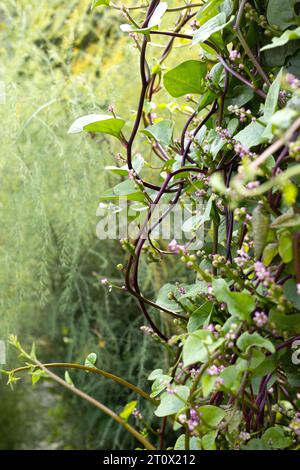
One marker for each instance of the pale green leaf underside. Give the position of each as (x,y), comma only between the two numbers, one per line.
(155,20)
(161,131)
(171,404)
(247,341)
(102,123)
(126,190)
(289,35)
(215,24)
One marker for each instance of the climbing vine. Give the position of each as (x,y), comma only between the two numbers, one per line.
(228,141)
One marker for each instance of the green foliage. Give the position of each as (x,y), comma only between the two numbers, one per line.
(273,438)
(247,341)
(282,15)
(187,77)
(239,304)
(98,123)
(160,383)
(90,360)
(200,317)
(230,328)
(126,190)
(154,21)
(213,25)
(289,35)
(128,410)
(162,132)
(97,3)
(199,346)
(174,403)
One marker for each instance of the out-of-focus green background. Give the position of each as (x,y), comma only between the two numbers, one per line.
(60,60)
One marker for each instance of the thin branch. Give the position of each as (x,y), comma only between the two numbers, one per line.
(93,370)
(184,7)
(138,436)
(245,45)
(233,72)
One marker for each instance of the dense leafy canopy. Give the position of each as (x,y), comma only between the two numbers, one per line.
(235,332)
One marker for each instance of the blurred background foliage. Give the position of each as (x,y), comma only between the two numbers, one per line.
(60,60)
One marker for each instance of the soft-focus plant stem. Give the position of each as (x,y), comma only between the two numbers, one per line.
(93,370)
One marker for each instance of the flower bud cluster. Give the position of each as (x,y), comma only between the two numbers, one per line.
(148,331)
(175,247)
(295,424)
(292,81)
(193,421)
(242,113)
(239,149)
(260,319)
(242,259)
(253,15)
(231,336)
(294,150)
(234,55)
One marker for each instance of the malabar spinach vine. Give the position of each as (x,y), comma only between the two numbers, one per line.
(228,136)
